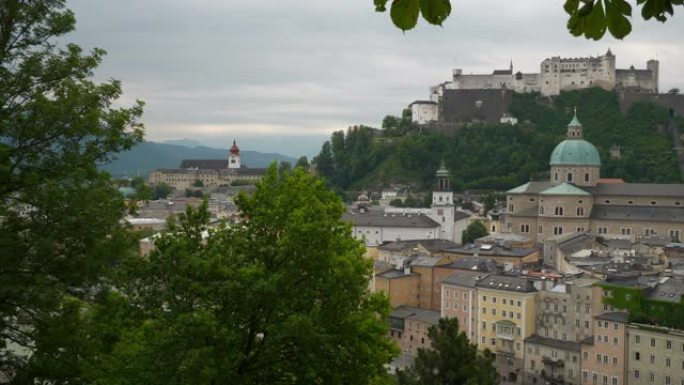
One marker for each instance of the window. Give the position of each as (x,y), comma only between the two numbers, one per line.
(557,230)
(510,208)
(653,203)
(614,380)
(586,177)
(602,230)
(651,377)
(668,344)
(637,356)
(493,311)
(585,355)
(555,176)
(484,310)
(484,326)
(607,201)
(615,361)
(524,228)
(615,340)
(652,359)
(569,177)
(580,211)
(653,342)
(484,298)
(668,362)
(558,211)
(626,231)
(636,374)
(637,339)
(493,299)
(541,210)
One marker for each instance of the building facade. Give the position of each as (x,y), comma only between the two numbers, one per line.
(576,199)
(207,172)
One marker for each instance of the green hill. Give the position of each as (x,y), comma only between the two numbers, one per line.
(148,156)
(498,156)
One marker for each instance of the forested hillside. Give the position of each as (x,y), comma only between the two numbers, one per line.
(498,156)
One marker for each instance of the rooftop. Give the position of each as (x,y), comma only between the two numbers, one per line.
(639,189)
(464,278)
(430,317)
(530,188)
(493,251)
(614,317)
(428,244)
(475,264)
(380,219)
(564,189)
(507,283)
(393,274)
(554,343)
(638,213)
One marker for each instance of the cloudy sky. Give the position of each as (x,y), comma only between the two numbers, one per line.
(281,75)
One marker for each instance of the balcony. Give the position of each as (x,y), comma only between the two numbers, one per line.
(553,362)
(505,330)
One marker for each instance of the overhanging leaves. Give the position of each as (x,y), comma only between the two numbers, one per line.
(435,11)
(404,13)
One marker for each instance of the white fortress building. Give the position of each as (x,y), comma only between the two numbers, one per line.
(555,74)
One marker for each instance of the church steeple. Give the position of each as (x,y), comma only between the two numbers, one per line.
(442,183)
(575,127)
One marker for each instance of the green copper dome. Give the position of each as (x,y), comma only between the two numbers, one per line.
(575,152)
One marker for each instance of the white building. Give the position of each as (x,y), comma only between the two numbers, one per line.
(441,221)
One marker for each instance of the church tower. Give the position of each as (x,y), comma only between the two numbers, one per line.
(234,157)
(443,204)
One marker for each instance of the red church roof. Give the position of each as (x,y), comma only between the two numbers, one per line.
(234,149)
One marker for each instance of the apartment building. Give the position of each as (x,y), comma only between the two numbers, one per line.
(460,300)
(604,356)
(655,355)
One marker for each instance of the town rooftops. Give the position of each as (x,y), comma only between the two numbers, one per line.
(429,244)
(491,251)
(426,261)
(638,213)
(430,317)
(204,164)
(639,189)
(564,189)
(614,317)
(379,219)
(554,343)
(507,283)
(464,278)
(530,188)
(394,274)
(668,290)
(475,264)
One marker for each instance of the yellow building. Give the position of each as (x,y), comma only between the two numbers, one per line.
(506,317)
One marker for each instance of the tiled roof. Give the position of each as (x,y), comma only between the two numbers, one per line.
(554,343)
(430,317)
(464,278)
(614,317)
(375,219)
(507,283)
(564,189)
(675,190)
(638,213)
(530,188)
(205,164)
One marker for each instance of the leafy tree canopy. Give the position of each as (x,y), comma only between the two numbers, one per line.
(473,231)
(280,298)
(588,18)
(60,223)
(451,360)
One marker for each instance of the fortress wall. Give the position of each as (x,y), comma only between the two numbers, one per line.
(469,82)
(673,102)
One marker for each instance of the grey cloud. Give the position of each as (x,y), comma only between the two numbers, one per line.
(208,68)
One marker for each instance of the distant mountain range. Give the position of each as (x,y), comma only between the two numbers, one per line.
(147,156)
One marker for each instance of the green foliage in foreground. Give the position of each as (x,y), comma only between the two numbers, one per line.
(280,298)
(588,18)
(500,156)
(60,217)
(451,360)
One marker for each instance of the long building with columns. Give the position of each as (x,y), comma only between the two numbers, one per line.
(207,172)
(577,199)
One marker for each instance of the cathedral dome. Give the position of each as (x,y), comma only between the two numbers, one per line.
(575,152)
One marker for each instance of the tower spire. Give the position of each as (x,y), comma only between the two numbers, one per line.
(574,127)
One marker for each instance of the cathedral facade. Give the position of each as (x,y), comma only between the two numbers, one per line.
(577,199)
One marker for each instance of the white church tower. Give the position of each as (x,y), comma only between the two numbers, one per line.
(443,204)
(234,158)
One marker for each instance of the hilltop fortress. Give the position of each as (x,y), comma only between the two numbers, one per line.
(556,74)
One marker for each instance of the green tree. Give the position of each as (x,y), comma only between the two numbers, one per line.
(60,224)
(588,18)
(451,360)
(302,162)
(198,183)
(473,231)
(280,298)
(161,191)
